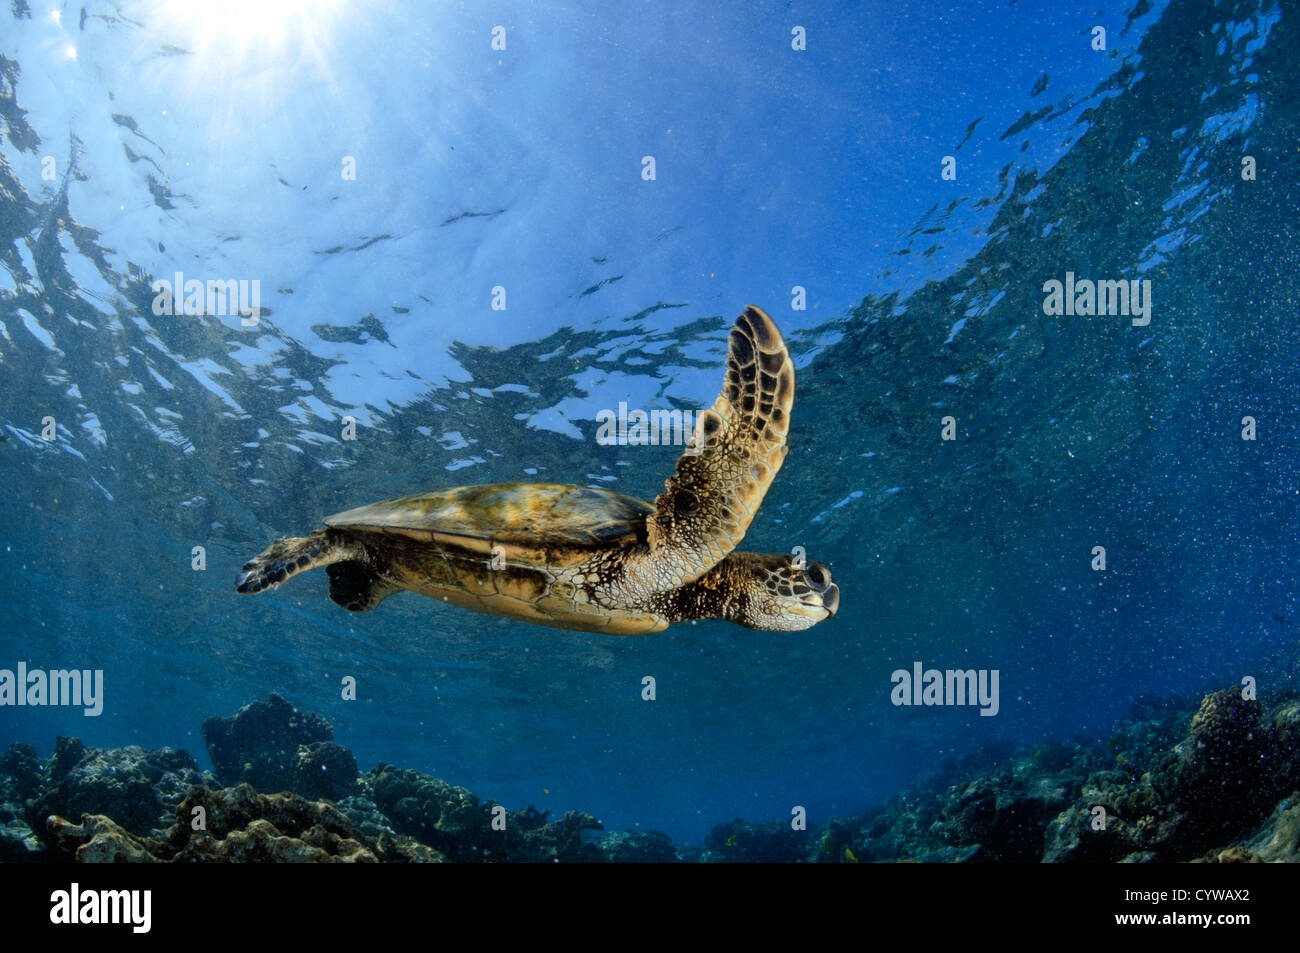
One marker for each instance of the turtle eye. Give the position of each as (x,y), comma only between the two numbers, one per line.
(818,577)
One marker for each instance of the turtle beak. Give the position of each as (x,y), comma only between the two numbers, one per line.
(818,577)
(831,600)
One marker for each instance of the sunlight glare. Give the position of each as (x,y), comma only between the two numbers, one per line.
(242,27)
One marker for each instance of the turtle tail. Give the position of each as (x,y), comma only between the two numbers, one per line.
(286,558)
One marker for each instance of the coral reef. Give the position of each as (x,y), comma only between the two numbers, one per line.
(1221,783)
(1209,790)
(20,779)
(325,770)
(452,820)
(237,825)
(1217,782)
(139,789)
(637,847)
(739,840)
(98,840)
(261,744)
(1276,840)
(995,816)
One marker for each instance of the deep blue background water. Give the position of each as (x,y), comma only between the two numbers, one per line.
(213,144)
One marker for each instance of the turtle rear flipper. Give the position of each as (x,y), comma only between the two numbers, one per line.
(357,587)
(285,558)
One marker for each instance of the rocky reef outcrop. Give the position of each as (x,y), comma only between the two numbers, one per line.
(236,825)
(20,779)
(452,820)
(739,841)
(1218,782)
(274,746)
(1214,782)
(139,789)
(1213,788)
(996,815)
(134,806)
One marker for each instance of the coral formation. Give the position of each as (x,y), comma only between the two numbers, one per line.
(139,789)
(20,778)
(237,825)
(325,770)
(260,743)
(1209,790)
(738,840)
(98,840)
(452,820)
(1218,784)
(637,847)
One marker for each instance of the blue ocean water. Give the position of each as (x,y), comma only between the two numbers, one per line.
(458,245)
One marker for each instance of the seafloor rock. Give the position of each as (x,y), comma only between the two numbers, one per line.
(1007,815)
(690,854)
(20,778)
(637,847)
(262,842)
(401,849)
(1114,818)
(365,814)
(325,770)
(571,839)
(997,816)
(1216,795)
(208,818)
(20,774)
(19,844)
(1224,768)
(1153,725)
(1286,737)
(427,808)
(260,743)
(453,821)
(98,840)
(67,752)
(1276,840)
(138,789)
(241,825)
(238,825)
(741,841)
(844,839)
(1213,787)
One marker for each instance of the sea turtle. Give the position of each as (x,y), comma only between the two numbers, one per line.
(574,557)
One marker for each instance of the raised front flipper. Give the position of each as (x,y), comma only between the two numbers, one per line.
(738,447)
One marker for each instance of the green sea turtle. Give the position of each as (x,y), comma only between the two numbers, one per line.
(574,557)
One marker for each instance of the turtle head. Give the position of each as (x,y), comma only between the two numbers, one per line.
(776,593)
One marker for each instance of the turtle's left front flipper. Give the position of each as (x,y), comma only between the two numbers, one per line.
(738,447)
(285,558)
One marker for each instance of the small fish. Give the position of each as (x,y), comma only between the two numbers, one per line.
(1121,759)
(731,841)
(849,856)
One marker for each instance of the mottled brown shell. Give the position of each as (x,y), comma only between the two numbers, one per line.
(540,524)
